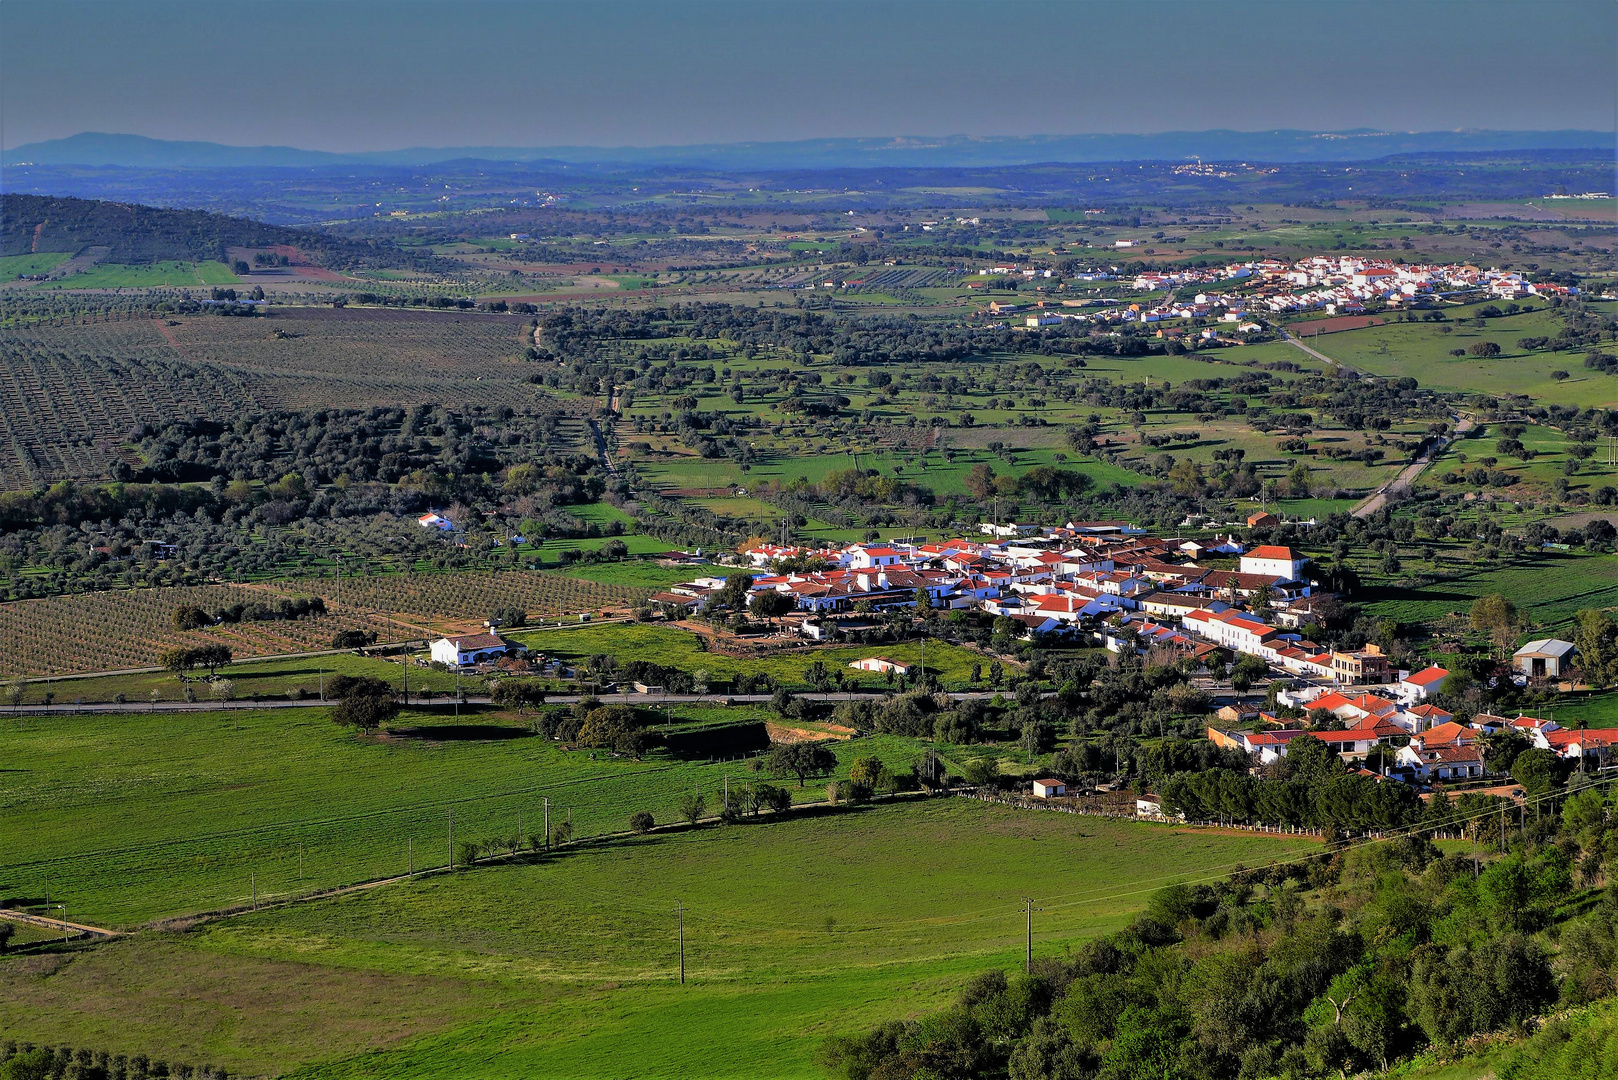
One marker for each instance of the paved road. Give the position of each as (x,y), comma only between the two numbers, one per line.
(1400,484)
(445,703)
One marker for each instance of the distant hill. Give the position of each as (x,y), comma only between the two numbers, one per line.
(144,234)
(953,151)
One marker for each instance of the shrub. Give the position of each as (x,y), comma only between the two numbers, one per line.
(642,821)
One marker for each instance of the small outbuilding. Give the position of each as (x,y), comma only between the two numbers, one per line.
(1543,659)
(1045,789)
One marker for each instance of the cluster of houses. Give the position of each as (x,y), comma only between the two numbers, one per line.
(1428,744)
(1333,284)
(1104,580)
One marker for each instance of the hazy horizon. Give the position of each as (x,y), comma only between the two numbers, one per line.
(369,76)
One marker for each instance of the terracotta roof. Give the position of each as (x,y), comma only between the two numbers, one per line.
(473,642)
(1428,676)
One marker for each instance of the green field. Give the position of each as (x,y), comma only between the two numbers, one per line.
(148,276)
(677,648)
(1548,589)
(138,816)
(13,265)
(1421,351)
(568,967)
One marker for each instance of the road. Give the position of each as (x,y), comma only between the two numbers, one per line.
(55,924)
(1400,484)
(443,702)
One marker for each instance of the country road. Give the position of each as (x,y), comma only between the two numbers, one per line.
(1400,484)
(443,702)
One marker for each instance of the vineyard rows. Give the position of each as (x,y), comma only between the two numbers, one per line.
(470,595)
(69,394)
(112,630)
(124,629)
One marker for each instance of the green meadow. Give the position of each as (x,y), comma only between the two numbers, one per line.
(13,265)
(568,967)
(1422,351)
(171,274)
(140,816)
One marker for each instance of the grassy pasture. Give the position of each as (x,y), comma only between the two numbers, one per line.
(677,648)
(1421,351)
(1549,588)
(171,274)
(566,968)
(134,817)
(39,263)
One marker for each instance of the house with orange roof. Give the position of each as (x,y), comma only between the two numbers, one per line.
(1421,685)
(1274,561)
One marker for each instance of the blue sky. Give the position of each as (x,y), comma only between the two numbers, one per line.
(362,75)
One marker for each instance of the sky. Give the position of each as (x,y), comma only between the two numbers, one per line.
(354,75)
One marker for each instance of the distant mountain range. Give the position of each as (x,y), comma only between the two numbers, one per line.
(954,151)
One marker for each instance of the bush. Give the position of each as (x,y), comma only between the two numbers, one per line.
(642,821)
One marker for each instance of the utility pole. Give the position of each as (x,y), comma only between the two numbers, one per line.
(679,913)
(1028,958)
(547,823)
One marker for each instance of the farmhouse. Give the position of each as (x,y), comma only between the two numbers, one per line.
(434,521)
(470,649)
(881,665)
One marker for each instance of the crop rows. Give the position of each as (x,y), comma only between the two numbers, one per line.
(69,394)
(68,399)
(124,629)
(470,595)
(371,357)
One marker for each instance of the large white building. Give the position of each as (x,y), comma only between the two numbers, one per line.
(1272,561)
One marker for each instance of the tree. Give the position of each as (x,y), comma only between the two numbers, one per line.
(982,772)
(1596,635)
(1496,616)
(1298,481)
(1535,770)
(212,657)
(1485,348)
(178,660)
(190,617)
(692,806)
(772,605)
(979,480)
(366,703)
(8,930)
(15,692)
(224,690)
(871,772)
(641,821)
(801,759)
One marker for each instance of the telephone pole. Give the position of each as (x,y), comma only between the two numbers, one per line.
(1028,957)
(679,913)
